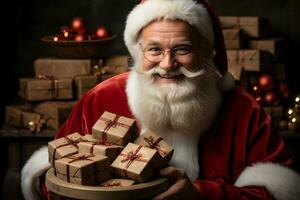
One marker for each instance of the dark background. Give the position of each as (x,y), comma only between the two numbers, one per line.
(24,23)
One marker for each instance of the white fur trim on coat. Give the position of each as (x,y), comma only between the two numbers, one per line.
(35,166)
(185,10)
(282,182)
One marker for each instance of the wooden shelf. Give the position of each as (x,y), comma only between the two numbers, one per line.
(9,132)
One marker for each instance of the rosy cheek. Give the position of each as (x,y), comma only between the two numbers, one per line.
(146,65)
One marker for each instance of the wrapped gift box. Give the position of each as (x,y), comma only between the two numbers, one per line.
(42,89)
(84,169)
(233,38)
(135,162)
(21,116)
(84,83)
(114,128)
(152,140)
(250,60)
(63,67)
(252,26)
(100,147)
(117,182)
(64,146)
(56,112)
(272,45)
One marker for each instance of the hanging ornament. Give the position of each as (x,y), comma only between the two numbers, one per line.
(270,98)
(266,82)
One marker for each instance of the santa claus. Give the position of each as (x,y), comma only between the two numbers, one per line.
(179,87)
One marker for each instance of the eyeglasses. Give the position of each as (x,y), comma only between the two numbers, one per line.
(156,54)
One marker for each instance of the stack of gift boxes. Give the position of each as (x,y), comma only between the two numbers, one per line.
(252,52)
(58,84)
(113,155)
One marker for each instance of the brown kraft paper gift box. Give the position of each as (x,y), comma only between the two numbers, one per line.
(84,83)
(55,112)
(84,169)
(153,141)
(252,26)
(273,45)
(233,38)
(114,128)
(117,182)
(64,146)
(43,89)
(68,68)
(99,147)
(250,60)
(135,162)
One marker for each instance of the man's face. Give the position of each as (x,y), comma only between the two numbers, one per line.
(169,45)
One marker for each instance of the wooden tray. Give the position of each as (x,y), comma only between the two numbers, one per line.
(146,190)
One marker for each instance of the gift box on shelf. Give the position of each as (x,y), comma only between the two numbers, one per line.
(83,169)
(275,46)
(117,182)
(135,162)
(63,68)
(46,88)
(151,140)
(114,128)
(56,112)
(250,60)
(252,26)
(233,38)
(21,116)
(100,147)
(84,83)
(64,146)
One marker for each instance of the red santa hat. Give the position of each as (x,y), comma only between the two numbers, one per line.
(197,13)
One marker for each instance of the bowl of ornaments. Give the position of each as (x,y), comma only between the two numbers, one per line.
(75,41)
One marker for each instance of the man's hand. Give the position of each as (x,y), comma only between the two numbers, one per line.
(182,187)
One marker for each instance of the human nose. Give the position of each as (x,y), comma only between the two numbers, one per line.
(167,61)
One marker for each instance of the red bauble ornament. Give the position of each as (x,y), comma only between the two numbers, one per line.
(78,24)
(80,37)
(266,82)
(101,32)
(270,98)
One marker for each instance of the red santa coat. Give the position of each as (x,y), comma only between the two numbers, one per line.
(239,137)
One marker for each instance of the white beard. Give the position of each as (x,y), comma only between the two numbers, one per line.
(180,113)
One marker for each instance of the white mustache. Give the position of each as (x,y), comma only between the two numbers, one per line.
(179,71)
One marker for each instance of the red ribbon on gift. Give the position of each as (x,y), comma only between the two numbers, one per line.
(77,158)
(54,84)
(69,142)
(111,123)
(100,142)
(132,156)
(154,144)
(112,184)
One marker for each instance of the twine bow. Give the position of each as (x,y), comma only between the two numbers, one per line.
(75,159)
(54,84)
(69,142)
(100,142)
(112,184)
(111,123)
(155,144)
(132,156)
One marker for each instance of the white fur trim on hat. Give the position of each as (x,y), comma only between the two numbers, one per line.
(186,10)
(35,166)
(226,82)
(282,182)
